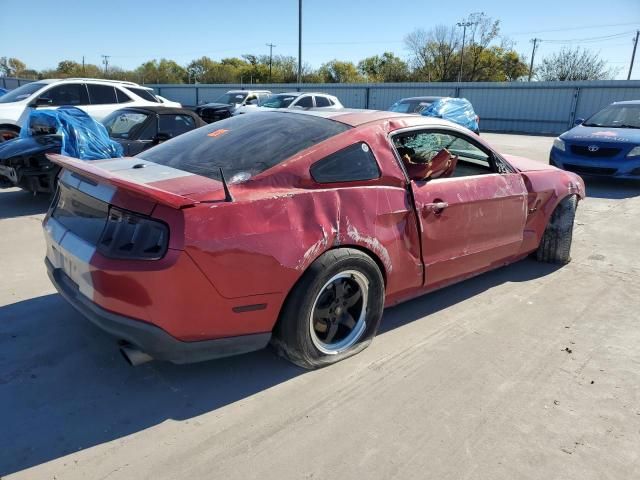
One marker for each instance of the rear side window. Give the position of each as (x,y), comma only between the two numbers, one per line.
(144,94)
(322,102)
(244,145)
(102,94)
(122,97)
(305,102)
(174,125)
(352,164)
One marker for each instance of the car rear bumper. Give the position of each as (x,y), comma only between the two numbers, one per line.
(149,338)
(600,167)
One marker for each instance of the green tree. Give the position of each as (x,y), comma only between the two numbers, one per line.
(337,71)
(574,64)
(384,68)
(163,71)
(11,67)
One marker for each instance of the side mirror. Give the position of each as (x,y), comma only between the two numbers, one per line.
(41,102)
(161,137)
(579,121)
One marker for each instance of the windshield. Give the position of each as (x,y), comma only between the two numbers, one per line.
(621,116)
(22,92)
(410,107)
(231,98)
(278,101)
(124,124)
(244,145)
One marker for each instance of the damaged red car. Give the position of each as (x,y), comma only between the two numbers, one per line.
(295,228)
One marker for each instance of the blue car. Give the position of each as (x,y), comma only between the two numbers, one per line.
(606,144)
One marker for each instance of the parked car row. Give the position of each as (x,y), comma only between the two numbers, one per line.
(24,162)
(98,98)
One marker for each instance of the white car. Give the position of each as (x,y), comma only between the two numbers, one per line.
(226,104)
(96,97)
(300,100)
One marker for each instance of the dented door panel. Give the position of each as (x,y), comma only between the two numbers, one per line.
(481,226)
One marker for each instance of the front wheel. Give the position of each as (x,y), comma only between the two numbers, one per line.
(555,246)
(334,310)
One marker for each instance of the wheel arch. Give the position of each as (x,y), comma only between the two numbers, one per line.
(378,261)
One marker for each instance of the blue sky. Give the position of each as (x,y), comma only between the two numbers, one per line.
(41,33)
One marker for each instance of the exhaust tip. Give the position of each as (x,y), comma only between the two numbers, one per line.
(133,356)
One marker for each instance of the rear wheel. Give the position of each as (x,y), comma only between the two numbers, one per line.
(555,246)
(334,310)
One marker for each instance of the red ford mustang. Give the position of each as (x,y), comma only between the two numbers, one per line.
(292,227)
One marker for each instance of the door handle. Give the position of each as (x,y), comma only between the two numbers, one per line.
(435,207)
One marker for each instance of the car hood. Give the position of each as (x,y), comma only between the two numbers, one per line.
(217,105)
(526,164)
(602,134)
(30,146)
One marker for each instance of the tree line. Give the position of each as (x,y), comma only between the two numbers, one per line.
(434,55)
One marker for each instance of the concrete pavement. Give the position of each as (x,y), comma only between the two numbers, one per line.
(527,372)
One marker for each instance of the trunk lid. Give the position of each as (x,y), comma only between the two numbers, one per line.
(159,183)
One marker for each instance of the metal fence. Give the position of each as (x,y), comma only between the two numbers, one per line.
(10,83)
(527,107)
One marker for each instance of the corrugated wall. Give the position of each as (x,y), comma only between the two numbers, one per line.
(10,83)
(536,107)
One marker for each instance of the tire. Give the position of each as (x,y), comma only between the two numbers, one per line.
(325,319)
(555,246)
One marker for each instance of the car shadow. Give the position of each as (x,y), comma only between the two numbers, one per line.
(616,189)
(20,203)
(64,386)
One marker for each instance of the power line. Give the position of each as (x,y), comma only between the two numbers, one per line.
(589,39)
(573,28)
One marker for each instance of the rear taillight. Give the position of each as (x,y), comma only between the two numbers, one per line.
(133,237)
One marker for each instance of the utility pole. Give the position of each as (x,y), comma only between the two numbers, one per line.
(633,55)
(533,54)
(299,42)
(105,60)
(464,25)
(270,45)
(83,74)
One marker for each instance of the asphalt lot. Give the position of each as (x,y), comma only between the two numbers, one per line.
(527,372)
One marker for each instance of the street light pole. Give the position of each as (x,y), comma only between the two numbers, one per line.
(464,26)
(299,42)
(270,45)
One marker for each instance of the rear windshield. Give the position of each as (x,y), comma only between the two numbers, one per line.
(244,145)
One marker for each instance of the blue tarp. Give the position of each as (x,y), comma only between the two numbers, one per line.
(82,136)
(457,110)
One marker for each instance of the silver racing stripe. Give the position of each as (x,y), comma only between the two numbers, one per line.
(144,171)
(67,251)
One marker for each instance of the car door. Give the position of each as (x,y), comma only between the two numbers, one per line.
(73,94)
(102,100)
(472,220)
